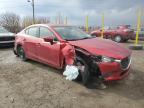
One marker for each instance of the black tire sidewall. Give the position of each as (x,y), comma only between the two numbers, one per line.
(22,57)
(86,74)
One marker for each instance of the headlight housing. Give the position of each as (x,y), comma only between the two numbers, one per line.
(104,59)
(107,59)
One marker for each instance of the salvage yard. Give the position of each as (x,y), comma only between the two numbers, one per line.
(34,85)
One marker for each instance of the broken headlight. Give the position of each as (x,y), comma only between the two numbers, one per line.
(107,59)
(103,59)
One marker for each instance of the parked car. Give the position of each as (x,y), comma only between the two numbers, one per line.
(121,34)
(100,57)
(141,34)
(6,38)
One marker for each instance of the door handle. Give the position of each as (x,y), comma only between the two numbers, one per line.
(38,44)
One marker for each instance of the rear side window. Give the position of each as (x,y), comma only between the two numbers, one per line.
(33,31)
(45,32)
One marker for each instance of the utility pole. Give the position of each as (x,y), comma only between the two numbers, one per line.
(33,8)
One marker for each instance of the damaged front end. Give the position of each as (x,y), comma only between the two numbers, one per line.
(90,61)
(85,62)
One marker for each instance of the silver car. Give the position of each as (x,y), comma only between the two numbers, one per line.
(6,38)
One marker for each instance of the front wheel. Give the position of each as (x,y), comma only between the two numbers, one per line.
(118,38)
(21,53)
(83,68)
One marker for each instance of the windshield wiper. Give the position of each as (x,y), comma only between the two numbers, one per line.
(86,38)
(79,39)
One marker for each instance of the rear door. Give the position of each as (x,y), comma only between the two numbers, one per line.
(47,52)
(31,42)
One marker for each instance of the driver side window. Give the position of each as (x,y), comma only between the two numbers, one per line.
(45,32)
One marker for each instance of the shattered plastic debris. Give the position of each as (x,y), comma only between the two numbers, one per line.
(71,72)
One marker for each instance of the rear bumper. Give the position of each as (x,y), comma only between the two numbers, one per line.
(113,71)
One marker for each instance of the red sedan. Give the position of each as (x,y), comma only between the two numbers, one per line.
(60,45)
(121,34)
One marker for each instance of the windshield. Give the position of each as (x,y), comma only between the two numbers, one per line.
(72,33)
(2,30)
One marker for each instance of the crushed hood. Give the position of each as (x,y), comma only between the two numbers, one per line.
(105,47)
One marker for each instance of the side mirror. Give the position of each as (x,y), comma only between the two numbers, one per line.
(49,39)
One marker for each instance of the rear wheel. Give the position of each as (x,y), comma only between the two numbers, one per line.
(117,38)
(83,68)
(21,53)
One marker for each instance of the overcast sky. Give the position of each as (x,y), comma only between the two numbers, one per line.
(116,12)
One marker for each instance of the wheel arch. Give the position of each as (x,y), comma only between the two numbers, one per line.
(86,56)
(118,35)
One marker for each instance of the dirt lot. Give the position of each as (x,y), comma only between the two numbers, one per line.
(34,85)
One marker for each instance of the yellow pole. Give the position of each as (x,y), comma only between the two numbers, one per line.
(138,26)
(87,28)
(102,32)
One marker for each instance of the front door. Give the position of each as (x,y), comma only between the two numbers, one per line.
(47,52)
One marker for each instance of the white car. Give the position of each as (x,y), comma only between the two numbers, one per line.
(6,38)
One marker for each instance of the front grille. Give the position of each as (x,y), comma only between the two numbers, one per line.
(125,63)
(7,38)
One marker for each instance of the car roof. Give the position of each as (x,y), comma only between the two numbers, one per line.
(52,25)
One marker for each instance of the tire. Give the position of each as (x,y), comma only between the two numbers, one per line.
(118,38)
(21,53)
(84,74)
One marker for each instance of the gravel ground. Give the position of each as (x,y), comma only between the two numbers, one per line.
(34,85)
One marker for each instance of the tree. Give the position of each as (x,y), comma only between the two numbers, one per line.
(27,21)
(10,21)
